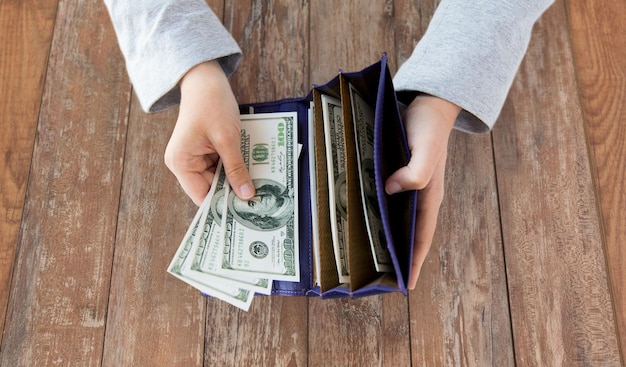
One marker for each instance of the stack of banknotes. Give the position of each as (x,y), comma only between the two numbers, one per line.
(234,248)
(337,162)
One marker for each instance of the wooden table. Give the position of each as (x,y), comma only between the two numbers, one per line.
(528,263)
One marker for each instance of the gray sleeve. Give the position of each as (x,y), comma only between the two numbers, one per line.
(469,55)
(162,39)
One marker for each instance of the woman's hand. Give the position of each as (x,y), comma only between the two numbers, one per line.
(429,121)
(208,128)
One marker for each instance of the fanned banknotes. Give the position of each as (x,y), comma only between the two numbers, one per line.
(230,293)
(236,248)
(260,236)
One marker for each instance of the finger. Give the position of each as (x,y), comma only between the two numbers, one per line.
(429,202)
(424,233)
(406,178)
(415,175)
(196,185)
(236,170)
(418,172)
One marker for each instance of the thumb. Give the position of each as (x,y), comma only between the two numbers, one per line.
(414,176)
(237,172)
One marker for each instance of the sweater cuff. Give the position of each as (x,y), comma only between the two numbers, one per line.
(469,56)
(162,40)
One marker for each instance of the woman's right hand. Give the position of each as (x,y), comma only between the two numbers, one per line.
(207,129)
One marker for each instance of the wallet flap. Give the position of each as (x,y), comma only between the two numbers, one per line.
(392,153)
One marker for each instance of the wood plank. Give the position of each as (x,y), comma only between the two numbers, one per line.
(459,310)
(349,36)
(274,331)
(560,302)
(412,19)
(600,57)
(58,304)
(274,37)
(372,330)
(154,319)
(27,32)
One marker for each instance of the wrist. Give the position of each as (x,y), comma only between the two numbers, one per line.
(445,110)
(203,75)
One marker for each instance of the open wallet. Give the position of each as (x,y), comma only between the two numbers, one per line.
(376,229)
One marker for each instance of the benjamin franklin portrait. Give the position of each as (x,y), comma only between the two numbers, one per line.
(271,207)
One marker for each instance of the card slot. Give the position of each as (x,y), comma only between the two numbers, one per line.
(361,261)
(328,277)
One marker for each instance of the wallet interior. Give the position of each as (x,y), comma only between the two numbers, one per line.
(398,211)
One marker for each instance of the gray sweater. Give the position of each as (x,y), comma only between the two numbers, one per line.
(469,55)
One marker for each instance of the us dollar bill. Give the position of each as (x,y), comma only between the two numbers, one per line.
(363,119)
(206,247)
(337,190)
(317,265)
(260,236)
(239,297)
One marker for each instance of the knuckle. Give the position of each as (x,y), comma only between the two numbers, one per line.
(173,160)
(226,137)
(168,158)
(416,178)
(416,181)
(419,183)
(236,171)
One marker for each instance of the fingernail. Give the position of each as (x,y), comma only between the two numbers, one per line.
(393,187)
(246,190)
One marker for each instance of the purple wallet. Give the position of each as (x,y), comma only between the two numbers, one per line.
(374,85)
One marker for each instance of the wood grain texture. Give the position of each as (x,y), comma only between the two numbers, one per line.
(600,55)
(396,347)
(25,38)
(274,38)
(349,36)
(411,21)
(459,310)
(56,314)
(154,319)
(274,331)
(560,302)
(369,331)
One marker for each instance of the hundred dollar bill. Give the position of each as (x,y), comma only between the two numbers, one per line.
(261,235)
(238,297)
(317,264)
(337,190)
(206,247)
(363,117)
